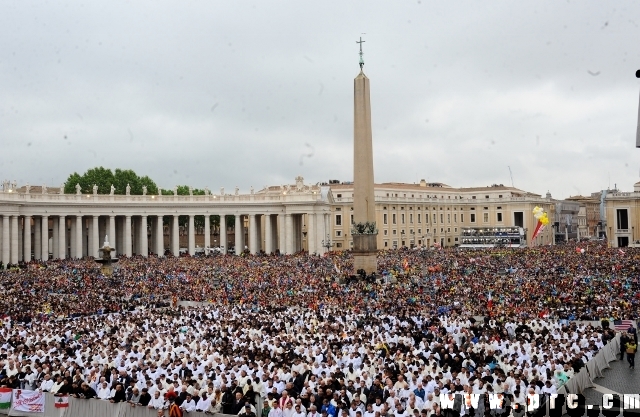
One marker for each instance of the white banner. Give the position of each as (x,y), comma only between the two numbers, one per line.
(28,401)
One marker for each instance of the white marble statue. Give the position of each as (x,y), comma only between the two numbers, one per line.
(190,190)
(44,189)
(144,190)
(237,190)
(252,189)
(112,190)
(27,188)
(78,189)
(128,189)
(175,190)
(61,189)
(221,190)
(95,189)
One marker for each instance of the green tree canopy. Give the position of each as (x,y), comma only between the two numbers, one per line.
(104,178)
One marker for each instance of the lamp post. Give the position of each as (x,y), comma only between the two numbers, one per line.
(327,243)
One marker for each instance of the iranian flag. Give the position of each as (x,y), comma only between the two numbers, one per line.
(5,398)
(62,402)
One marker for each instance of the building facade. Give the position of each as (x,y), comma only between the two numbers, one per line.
(427,214)
(623,217)
(41,223)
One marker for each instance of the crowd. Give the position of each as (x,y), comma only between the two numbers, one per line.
(555,281)
(292,336)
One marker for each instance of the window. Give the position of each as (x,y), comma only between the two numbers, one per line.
(518,219)
(393,218)
(499,208)
(441,218)
(473,217)
(352,222)
(486,196)
(419,219)
(448,230)
(486,208)
(386,232)
(395,232)
(461,217)
(386,243)
(338,233)
(448,218)
(485,217)
(339,195)
(338,209)
(384,208)
(402,218)
(384,218)
(419,231)
(395,243)
(339,245)
(500,196)
(455,218)
(473,198)
(622,219)
(338,219)
(499,217)
(411,218)
(434,218)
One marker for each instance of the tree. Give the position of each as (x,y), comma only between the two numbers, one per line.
(104,178)
(124,177)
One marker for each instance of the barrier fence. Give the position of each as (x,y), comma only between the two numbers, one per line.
(97,408)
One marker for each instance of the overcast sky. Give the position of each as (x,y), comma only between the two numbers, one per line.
(250,93)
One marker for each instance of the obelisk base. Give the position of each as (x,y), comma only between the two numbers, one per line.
(365,251)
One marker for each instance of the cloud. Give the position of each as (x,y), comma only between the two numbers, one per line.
(225,93)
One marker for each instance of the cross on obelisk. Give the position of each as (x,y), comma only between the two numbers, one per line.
(638,128)
(361,59)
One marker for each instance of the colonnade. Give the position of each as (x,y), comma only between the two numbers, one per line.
(60,236)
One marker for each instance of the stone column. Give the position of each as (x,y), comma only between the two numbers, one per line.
(192,235)
(27,239)
(14,239)
(144,236)
(55,240)
(19,231)
(253,235)
(78,237)
(175,236)
(6,240)
(112,232)
(288,232)
(282,236)
(62,237)
(159,236)
(239,234)
(223,233)
(95,237)
(268,237)
(72,237)
(89,237)
(207,230)
(311,233)
(128,249)
(37,241)
(44,236)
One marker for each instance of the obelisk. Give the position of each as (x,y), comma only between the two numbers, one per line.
(364,230)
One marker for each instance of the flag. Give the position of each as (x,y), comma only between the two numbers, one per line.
(62,402)
(5,398)
(539,228)
(489,302)
(622,325)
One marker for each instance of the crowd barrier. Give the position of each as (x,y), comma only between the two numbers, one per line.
(592,370)
(97,408)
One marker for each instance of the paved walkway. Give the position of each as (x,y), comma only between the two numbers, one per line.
(619,379)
